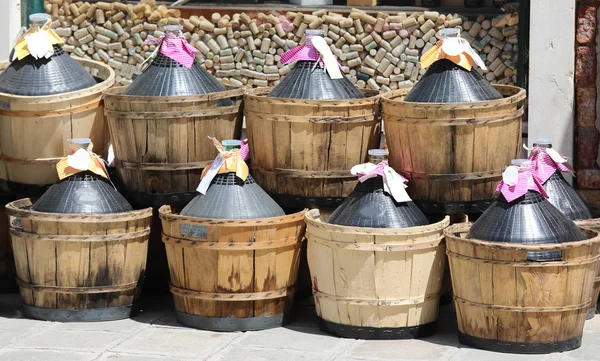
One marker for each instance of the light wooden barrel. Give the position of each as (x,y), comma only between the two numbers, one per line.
(33,130)
(302,150)
(241,277)
(376,283)
(593,224)
(73,267)
(161,143)
(453,153)
(7,263)
(506,303)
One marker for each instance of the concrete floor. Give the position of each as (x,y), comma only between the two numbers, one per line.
(155,335)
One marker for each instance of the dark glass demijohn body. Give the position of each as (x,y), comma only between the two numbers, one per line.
(229,197)
(309,81)
(529,219)
(562,195)
(167,77)
(46,76)
(82,193)
(447,82)
(370,206)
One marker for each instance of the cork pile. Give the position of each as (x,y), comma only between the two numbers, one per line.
(379,51)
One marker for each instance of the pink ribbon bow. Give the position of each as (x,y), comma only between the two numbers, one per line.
(305,52)
(176,48)
(526,181)
(543,165)
(245,150)
(378,171)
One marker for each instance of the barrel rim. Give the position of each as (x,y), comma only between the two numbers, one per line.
(168,215)
(259,95)
(593,223)
(117,92)
(18,209)
(312,219)
(106,83)
(458,231)
(517,94)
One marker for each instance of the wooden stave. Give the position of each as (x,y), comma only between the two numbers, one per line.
(113,298)
(594,224)
(334,182)
(377,328)
(453,192)
(85,102)
(530,342)
(147,180)
(271,305)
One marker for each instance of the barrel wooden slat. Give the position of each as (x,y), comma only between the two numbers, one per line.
(33,129)
(309,135)
(206,281)
(376,279)
(506,303)
(595,225)
(149,132)
(107,272)
(452,138)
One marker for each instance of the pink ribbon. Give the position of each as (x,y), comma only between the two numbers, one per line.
(543,165)
(527,181)
(245,150)
(378,171)
(176,48)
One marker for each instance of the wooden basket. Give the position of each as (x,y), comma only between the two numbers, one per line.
(376,283)
(161,143)
(7,263)
(73,267)
(593,224)
(453,153)
(302,150)
(33,130)
(241,277)
(506,303)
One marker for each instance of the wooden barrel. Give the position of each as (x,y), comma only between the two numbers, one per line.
(453,153)
(73,267)
(7,263)
(302,150)
(33,130)
(593,224)
(506,303)
(376,283)
(240,277)
(161,143)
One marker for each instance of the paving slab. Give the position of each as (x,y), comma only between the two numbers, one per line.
(113,356)
(237,353)
(91,341)
(46,355)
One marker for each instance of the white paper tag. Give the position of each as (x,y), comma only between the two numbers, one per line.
(210,174)
(331,64)
(110,159)
(79,160)
(394,185)
(38,45)
(555,156)
(511,175)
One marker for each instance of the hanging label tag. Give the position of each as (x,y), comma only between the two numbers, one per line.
(331,64)
(79,160)
(210,174)
(38,44)
(394,185)
(510,176)
(555,156)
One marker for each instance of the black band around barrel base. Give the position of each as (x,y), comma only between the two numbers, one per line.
(231,324)
(299,202)
(469,207)
(519,347)
(159,199)
(377,333)
(87,315)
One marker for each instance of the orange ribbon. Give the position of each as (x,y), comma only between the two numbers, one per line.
(233,161)
(77,157)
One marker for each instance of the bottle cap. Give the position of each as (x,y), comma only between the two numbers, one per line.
(314,32)
(230,144)
(450,31)
(521,162)
(380,152)
(39,17)
(81,142)
(173,27)
(542,141)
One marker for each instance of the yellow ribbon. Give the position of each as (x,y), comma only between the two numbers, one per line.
(21,49)
(233,162)
(436,53)
(94,164)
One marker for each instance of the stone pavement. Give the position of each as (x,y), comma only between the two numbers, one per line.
(154,335)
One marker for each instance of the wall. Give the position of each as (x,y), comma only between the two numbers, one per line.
(587,135)
(10,23)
